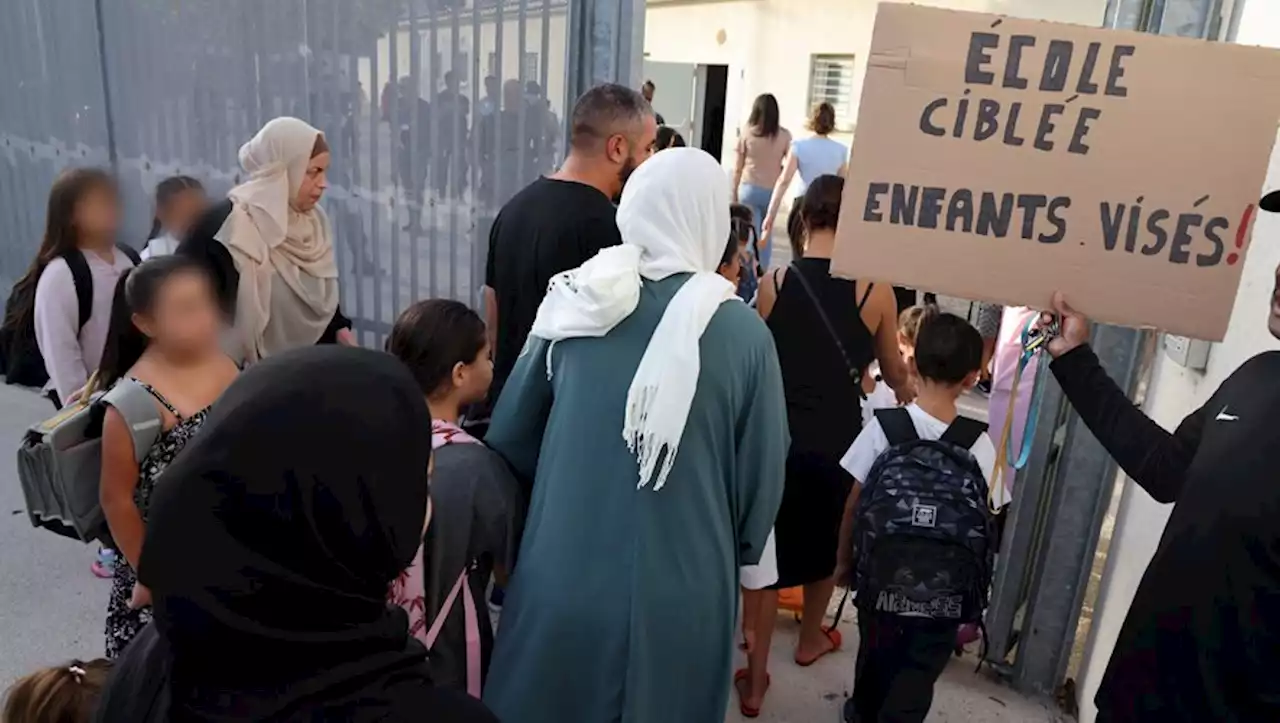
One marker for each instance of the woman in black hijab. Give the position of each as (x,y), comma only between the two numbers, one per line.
(271,544)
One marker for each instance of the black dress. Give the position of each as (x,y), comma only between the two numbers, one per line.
(201,244)
(823,411)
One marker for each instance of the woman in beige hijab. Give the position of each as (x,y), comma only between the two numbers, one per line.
(270,249)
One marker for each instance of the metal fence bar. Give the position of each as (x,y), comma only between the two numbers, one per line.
(1082,490)
(154,89)
(458,156)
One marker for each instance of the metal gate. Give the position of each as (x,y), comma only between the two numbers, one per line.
(1036,631)
(436,112)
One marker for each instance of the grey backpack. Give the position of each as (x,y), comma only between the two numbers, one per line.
(60,459)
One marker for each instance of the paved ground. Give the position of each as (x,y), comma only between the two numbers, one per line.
(52,609)
(815,694)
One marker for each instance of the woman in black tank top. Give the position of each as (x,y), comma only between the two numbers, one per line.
(827,332)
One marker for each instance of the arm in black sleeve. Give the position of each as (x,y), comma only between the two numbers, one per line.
(1154,458)
(200,244)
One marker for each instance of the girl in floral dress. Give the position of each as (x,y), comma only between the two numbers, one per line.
(165,334)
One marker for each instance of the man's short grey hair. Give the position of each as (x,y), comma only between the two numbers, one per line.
(606,110)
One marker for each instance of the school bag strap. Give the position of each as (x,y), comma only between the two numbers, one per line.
(130,253)
(138,409)
(82,279)
(897,425)
(854,372)
(471,621)
(964,432)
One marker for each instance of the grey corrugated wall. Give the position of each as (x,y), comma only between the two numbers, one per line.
(157,87)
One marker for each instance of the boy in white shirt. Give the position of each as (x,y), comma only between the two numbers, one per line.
(900,657)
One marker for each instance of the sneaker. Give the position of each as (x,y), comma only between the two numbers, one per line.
(105,566)
(984,387)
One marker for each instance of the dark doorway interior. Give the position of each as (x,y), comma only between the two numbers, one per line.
(713,105)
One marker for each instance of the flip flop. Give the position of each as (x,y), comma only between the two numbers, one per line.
(836,641)
(743,675)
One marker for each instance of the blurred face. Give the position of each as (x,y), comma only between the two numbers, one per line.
(182,210)
(185,316)
(97,215)
(313,185)
(472,380)
(647,92)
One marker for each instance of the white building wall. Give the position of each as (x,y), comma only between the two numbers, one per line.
(1176,392)
(767,44)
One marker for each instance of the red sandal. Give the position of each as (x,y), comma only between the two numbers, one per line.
(740,676)
(836,641)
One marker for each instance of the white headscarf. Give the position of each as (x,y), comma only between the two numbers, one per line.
(674,219)
(288,290)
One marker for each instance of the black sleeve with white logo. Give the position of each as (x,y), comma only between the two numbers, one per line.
(1153,457)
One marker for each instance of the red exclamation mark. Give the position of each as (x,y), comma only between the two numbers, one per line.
(1241,234)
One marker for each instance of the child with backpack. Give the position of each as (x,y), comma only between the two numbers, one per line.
(180,202)
(478,507)
(917,539)
(164,345)
(743,231)
(56,319)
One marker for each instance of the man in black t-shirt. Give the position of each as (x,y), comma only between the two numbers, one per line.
(559,222)
(1201,641)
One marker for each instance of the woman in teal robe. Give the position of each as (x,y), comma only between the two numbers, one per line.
(647,409)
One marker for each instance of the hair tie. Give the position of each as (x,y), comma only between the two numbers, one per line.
(76,672)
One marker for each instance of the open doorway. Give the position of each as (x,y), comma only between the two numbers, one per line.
(714,84)
(693,99)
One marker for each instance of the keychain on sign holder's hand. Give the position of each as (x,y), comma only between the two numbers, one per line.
(1035,337)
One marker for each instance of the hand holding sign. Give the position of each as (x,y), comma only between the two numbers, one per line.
(1073,328)
(1000,159)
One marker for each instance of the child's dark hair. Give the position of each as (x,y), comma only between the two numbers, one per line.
(60,235)
(432,337)
(136,293)
(669,137)
(166,190)
(948,348)
(742,226)
(65,694)
(731,250)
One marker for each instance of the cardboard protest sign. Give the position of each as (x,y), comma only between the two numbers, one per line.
(1001,159)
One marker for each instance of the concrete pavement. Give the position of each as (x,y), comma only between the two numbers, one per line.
(52,608)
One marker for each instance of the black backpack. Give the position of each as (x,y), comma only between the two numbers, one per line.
(924,533)
(20,359)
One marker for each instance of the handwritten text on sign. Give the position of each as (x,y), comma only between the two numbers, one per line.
(1181,236)
(999,159)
